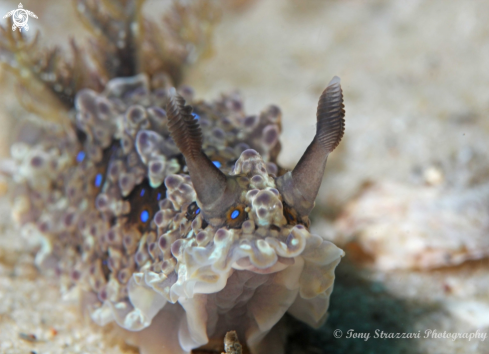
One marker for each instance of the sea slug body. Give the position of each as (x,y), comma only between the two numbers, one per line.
(172,217)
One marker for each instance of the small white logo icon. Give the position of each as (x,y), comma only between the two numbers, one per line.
(20,18)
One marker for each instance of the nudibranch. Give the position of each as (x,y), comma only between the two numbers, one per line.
(175,221)
(168,215)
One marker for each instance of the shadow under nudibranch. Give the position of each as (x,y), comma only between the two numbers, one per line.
(361,307)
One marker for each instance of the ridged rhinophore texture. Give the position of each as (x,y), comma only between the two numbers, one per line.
(184,127)
(116,213)
(300,186)
(331,116)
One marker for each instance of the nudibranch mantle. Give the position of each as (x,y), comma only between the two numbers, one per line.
(174,220)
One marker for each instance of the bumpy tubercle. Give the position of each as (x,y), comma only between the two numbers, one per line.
(172,281)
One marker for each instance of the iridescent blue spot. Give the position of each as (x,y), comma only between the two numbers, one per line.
(234,214)
(217,164)
(98,180)
(144,216)
(80,157)
(159,196)
(142,192)
(197,211)
(196,116)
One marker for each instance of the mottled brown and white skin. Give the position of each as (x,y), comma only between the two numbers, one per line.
(171,218)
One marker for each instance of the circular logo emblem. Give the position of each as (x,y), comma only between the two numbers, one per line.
(20,18)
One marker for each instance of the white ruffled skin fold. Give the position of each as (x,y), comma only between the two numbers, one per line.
(213,297)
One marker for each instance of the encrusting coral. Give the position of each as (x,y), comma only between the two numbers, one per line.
(173,220)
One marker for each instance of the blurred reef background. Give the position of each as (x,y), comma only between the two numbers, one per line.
(406,194)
